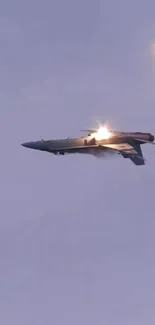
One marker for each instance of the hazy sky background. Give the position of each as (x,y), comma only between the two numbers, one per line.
(77,234)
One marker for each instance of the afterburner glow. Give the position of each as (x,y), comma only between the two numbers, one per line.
(103,133)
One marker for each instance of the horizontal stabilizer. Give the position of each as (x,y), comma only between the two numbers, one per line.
(128,151)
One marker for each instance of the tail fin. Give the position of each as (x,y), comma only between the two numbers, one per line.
(138,159)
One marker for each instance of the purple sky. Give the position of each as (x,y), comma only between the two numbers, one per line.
(77,234)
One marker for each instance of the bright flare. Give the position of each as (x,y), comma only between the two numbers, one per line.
(103,133)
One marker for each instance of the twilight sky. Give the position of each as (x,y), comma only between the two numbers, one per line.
(77,234)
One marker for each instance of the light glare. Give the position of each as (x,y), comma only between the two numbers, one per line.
(103,133)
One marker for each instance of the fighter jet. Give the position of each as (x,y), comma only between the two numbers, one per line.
(98,142)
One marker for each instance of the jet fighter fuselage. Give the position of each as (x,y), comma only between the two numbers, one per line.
(125,143)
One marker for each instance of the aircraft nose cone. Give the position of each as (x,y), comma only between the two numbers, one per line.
(28,145)
(38,145)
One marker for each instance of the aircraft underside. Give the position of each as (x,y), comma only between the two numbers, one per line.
(97,152)
(105,152)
